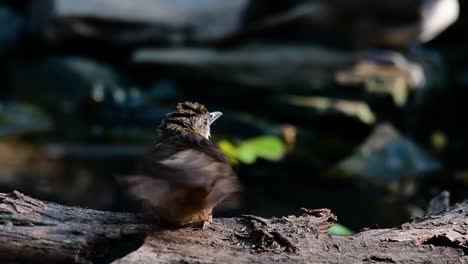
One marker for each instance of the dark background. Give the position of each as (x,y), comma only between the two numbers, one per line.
(84,89)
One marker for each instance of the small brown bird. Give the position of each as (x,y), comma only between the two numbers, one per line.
(184,175)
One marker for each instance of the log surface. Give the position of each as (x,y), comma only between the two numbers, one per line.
(42,232)
(32,231)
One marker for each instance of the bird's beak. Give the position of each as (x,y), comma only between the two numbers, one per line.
(214,116)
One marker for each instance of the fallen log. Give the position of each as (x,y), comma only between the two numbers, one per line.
(32,231)
(36,231)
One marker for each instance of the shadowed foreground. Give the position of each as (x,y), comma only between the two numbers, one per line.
(36,231)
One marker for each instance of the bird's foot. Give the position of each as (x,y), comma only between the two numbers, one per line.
(207,222)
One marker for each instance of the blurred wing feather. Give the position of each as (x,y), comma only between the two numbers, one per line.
(192,175)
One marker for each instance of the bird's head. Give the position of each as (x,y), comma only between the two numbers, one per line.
(189,117)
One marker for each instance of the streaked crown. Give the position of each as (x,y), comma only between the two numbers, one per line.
(189,117)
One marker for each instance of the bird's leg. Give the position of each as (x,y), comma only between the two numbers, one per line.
(207,222)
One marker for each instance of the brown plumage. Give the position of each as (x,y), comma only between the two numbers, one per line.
(184,175)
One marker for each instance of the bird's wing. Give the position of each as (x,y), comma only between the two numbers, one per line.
(190,161)
(183,173)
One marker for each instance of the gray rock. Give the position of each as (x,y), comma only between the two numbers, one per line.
(438,204)
(271,67)
(18,118)
(367,23)
(173,21)
(64,81)
(387,156)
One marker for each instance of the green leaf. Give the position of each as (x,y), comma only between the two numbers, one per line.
(266,147)
(339,230)
(246,154)
(229,150)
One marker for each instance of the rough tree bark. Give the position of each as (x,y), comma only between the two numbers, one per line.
(32,231)
(36,231)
